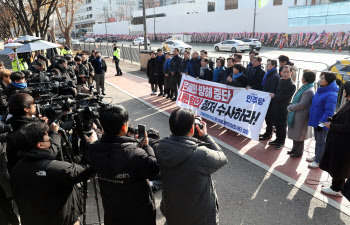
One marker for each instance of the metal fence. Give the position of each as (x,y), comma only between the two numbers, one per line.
(106,50)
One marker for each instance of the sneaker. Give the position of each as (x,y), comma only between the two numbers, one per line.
(313,165)
(310,159)
(329,191)
(326,183)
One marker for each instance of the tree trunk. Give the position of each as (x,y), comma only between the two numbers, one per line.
(68,36)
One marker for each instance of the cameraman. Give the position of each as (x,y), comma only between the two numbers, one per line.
(40,59)
(81,72)
(186,165)
(45,189)
(18,83)
(38,67)
(23,111)
(124,166)
(90,68)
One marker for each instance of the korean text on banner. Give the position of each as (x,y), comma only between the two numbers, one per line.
(237,109)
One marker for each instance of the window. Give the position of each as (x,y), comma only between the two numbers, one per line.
(231,4)
(88,1)
(277,2)
(211,6)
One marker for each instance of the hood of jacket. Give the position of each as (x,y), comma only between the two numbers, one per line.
(36,153)
(174,150)
(18,121)
(333,87)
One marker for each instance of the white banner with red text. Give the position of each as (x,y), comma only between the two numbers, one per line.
(237,109)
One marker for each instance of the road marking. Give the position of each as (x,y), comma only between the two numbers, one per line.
(344,209)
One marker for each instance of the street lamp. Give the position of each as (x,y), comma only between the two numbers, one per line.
(14,47)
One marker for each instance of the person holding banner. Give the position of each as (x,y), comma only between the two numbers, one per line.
(229,70)
(220,70)
(270,82)
(238,78)
(299,112)
(255,74)
(284,93)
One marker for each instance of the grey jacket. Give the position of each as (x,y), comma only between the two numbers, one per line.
(186,165)
(300,130)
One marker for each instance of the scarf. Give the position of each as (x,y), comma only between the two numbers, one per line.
(234,77)
(216,74)
(201,74)
(267,74)
(166,65)
(19,85)
(296,99)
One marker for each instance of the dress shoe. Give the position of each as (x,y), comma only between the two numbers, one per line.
(263,138)
(295,155)
(291,152)
(121,74)
(103,93)
(174,99)
(274,142)
(164,95)
(168,97)
(279,146)
(160,94)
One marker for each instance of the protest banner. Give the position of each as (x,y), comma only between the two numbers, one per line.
(237,109)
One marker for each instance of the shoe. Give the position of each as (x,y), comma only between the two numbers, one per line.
(160,94)
(103,93)
(279,146)
(274,142)
(263,138)
(116,75)
(326,183)
(291,152)
(313,165)
(121,74)
(164,95)
(261,135)
(328,190)
(174,99)
(310,159)
(168,97)
(295,155)
(152,93)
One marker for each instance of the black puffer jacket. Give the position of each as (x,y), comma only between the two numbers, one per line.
(123,170)
(45,189)
(152,71)
(255,77)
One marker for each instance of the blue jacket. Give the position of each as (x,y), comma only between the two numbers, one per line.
(323,104)
(191,68)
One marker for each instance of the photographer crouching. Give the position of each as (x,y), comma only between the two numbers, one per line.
(45,189)
(186,164)
(123,166)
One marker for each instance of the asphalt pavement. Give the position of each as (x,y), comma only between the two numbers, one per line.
(247,194)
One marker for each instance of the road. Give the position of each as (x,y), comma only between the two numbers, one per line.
(247,193)
(303,58)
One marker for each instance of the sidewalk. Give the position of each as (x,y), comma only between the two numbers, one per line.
(293,171)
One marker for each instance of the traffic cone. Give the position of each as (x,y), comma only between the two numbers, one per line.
(339,48)
(312,47)
(334,48)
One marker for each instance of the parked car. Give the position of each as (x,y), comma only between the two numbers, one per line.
(253,43)
(232,45)
(82,39)
(76,42)
(112,39)
(62,41)
(140,41)
(171,44)
(90,40)
(98,39)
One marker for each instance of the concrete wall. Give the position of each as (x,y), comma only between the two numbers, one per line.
(268,19)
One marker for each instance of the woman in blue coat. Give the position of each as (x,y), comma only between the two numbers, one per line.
(322,107)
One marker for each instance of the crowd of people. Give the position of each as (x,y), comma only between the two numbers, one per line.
(293,113)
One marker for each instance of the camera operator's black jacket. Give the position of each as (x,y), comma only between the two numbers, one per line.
(3,97)
(14,145)
(123,170)
(11,90)
(45,189)
(81,70)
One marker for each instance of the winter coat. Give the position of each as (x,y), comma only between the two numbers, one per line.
(45,189)
(123,171)
(294,71)
(167,79)
(3,97)
(186,165)
(223,77)
(300,130)
(241,81)
(271,83)
(11,90)
(160,69)
(175,65)
(99,70)
(211,64)
(220,76)
(283,96)
(183,65)
(323,104)
(14,146)
(193,67)
(208,75)
(336,156)
(81,69)
(255,77)
(151,71)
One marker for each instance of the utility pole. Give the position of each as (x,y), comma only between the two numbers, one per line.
(144,25)
(254,18)
(154,19)
(106,18)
